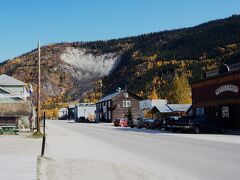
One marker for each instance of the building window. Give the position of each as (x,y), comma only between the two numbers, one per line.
(127,103)
(109,103)
(200,111)
(109,114)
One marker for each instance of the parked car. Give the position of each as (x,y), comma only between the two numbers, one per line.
(64,117)
(133,123)
(195,124)
(170,121)
(157,124)
(120,122)
(144,123)
(200,124)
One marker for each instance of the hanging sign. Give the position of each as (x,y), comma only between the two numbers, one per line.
(224,88)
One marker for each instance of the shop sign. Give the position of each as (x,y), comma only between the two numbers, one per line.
(225,112)
(225,88)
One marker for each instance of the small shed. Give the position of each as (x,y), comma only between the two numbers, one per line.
(10,113)
(170,110)
(161,111)
(179,109)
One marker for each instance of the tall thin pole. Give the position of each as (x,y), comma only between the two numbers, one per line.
(44,137)
(39,87)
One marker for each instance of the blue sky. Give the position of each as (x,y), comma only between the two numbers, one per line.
(23,22)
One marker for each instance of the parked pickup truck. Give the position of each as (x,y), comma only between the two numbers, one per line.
(195,124)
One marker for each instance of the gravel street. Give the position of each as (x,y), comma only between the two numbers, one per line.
(102,151)
(18,156)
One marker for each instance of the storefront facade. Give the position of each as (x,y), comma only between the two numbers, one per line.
(218,97)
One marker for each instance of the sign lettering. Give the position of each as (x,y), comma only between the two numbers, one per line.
(224,88)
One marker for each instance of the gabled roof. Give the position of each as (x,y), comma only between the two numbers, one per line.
(179,107)
(6,80)
(110,96)
(163,108)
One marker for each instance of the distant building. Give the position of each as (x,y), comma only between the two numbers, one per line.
(15,105)
(116,105)
(217,96)
(164,110)
(85,111)
(62,112)
(148,104)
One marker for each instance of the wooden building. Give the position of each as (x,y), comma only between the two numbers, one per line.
(116,105)
(164,110)
(15,104)
(218,96)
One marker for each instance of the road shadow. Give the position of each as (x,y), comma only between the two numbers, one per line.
(146,131)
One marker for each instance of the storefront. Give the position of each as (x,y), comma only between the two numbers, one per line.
(218,98)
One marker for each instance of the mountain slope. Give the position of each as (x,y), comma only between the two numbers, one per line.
(144,63)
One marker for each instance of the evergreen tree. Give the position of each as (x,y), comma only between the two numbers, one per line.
(129,114)
(130,118)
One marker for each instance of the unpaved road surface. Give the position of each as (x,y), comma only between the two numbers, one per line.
(101,151)
(18,157)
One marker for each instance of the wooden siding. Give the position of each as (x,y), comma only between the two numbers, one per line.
(116,109)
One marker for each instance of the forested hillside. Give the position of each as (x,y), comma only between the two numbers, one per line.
(150,61)
(147,64)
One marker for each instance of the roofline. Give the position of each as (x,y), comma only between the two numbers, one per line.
(216,76)
(131,92)
(22,83)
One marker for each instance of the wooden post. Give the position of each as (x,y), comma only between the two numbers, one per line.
(39,87)
(44,136)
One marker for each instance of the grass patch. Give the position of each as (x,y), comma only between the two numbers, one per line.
(37,135)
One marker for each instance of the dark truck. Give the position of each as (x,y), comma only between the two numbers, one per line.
(196,124)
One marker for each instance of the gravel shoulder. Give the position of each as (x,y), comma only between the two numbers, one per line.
(18,156)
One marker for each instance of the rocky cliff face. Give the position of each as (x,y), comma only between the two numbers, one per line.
(85,68)
(67,72)
(89,65)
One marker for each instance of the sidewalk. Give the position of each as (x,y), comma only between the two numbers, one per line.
(18,157)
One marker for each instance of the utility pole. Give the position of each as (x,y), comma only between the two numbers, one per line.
(39,86)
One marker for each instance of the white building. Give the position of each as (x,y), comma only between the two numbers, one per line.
(15,106)
(12,90)
(85,111)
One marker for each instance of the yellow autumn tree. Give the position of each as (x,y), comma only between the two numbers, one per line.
(180,91)
(153,94)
